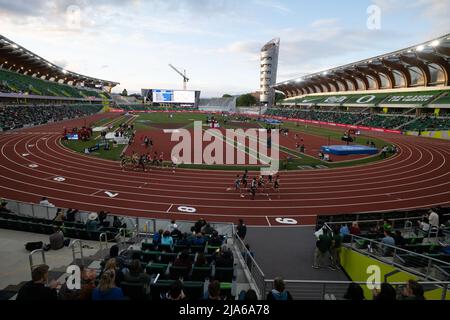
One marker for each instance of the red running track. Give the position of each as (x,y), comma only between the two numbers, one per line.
(417,177)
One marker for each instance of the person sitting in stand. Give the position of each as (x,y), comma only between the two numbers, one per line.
(183,260)
(36,289)
(70,215)
(355,230)
(92,224)
(57,239)
(279,292)
(59,217)
(167,239)
(157,236)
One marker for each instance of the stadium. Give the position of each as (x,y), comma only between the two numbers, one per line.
(169,195)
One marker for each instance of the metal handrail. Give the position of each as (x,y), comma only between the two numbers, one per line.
(30,257)
(255,269)
(74,252)
(105,236)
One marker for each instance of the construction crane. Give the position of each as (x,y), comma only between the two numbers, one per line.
(185,78)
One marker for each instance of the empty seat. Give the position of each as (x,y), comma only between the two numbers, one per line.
(200,273)
(165,248)
(168,257)
(198,249)
(212,249)
(179,248)
(156,268)
(147,246)
(148,256)
(178,272)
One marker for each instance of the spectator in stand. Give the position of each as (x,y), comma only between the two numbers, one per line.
(215,239)
(241,229)
(57,239)
(249,295)
(136,275)
(336,245)
(114,254)
(207,229)
(183,260)
(3,208)
(201,261)
(225,258)
(344,231)
(157,236)
(175,292)
(413,291)
(176,234)
(198,240)
(87,286)
(70,215)
(197,228)
(424,226)
(59,217)
(355,230)
(102,217)
(387,225)
(398,238)
(92,224)
(354,292)
(279,293)
(36,289)
(214,291)
(107,289)
(44,202)
(167,239)
(388,242)
(433,218)
(323,245)
(172,226)
(386,293)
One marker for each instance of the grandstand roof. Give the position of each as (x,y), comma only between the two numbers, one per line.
(25,61)
(423,65)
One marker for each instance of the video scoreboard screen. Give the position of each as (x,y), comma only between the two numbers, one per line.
(172,96)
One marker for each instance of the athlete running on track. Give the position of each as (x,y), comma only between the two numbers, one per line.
(244,179)
(276,185)
(253,188)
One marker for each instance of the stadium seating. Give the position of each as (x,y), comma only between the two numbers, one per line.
(12,117)
(386,121)
(429,123)
(19,83)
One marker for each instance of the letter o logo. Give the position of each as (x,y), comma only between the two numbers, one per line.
(366,99)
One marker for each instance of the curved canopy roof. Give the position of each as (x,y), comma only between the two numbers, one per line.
(423,65)
(24,61)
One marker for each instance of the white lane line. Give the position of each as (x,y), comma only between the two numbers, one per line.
(168,210)
(98,191)
(268,221)
(405,199)
(327,192)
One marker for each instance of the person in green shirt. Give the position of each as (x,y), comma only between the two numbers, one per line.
(387,226)
(336,245)
(323,245)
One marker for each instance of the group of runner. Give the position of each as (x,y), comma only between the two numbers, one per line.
(263,184)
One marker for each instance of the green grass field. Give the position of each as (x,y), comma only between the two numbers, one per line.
(185,120)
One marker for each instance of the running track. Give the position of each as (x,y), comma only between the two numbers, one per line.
(417,177)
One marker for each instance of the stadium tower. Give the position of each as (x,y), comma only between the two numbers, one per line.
(269,66)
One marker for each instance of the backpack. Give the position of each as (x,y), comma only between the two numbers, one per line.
(31,246)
